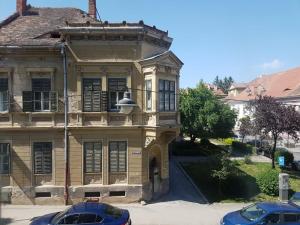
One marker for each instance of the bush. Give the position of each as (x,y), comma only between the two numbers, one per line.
(268,182)
(247,159)
(204,141)
(288,156)
(228,141)
(242,147)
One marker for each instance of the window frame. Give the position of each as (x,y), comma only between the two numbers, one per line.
(118,156)
(165,92)
(9,159)
(42,161)
(119,93)
(42,94)
(5,102)
(148,93)
(84,156)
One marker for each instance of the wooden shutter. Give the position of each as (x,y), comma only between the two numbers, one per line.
(103,101)
(93,157)
(42,157)
(53,101)
(122,156)
(4,158)
(96,101)
(118,156)
(27,101)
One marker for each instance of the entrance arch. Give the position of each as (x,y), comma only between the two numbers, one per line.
(155,168)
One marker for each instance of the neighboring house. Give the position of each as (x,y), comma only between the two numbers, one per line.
(217,91)
(284,86)
(236,89)
(110,155)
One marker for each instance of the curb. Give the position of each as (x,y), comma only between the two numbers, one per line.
(192,182)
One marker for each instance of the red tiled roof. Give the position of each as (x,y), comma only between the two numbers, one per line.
(278,85)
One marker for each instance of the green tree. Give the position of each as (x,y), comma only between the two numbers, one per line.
(246,127)
(223,84)
(203,115)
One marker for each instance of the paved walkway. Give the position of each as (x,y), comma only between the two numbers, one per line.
(181,187)
(254,158)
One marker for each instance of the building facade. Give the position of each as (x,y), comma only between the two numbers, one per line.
(108,155)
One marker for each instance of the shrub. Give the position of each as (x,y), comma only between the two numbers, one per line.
(288,156)
(228,141)
(247,159)
(204,141)
(241,147)
(268,182)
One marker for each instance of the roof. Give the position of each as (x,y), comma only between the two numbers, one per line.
(238,86)
(279,85)
(87,207)
(276,206)
(36,26)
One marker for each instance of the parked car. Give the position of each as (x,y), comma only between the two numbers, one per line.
(295,199)
(91,213)
(264,213)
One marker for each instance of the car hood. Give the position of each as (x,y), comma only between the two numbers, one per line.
(43,220)
(235,218)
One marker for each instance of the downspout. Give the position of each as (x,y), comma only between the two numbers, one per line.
(66,137)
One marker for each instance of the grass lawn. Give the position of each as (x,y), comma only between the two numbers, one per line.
(242,188)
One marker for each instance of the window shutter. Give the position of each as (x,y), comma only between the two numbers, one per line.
(42,158)
(96,101)
(122,157)
(4,158)
(103,101)
(53,101)
(27,101)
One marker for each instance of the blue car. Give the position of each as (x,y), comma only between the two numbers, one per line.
(264,213)
(91,213)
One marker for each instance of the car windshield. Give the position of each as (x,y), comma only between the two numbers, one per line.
(113,211)
(252,212)
(59,215)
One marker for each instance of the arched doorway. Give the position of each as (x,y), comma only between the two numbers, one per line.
(155,169)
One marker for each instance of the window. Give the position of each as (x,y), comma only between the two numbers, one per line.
(72,219)
(116,89)
(41,94)
(42,157)
(41,98)
(4,96)
(166,95)
(89,218)
(91,95)
(92,157)
(118,156)
(272,219)
(148,88)
(291,217)
(4,158)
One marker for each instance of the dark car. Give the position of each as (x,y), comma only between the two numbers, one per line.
(264,213)
(91,213)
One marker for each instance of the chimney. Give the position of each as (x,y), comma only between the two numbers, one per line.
(21,6)
(92,8)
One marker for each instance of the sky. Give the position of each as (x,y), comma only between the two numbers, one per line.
(239,38)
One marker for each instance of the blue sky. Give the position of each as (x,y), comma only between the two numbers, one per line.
(238,38)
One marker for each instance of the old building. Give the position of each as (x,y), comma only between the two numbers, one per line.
(107,154)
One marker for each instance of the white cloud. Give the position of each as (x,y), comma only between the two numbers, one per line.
(274,64)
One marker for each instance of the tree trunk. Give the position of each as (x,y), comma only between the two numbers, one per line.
(273,152)
(243,139)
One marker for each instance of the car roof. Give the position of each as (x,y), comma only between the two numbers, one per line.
(278,207)
(91,207)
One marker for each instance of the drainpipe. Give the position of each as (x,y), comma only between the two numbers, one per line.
(66,138)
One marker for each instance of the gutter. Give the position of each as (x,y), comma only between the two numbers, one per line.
(66,137)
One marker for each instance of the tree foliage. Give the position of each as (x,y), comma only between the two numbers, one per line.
(203,115)
(224,84)
(275,118)
(246,127)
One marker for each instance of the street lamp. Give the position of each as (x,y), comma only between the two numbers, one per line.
(126,104)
